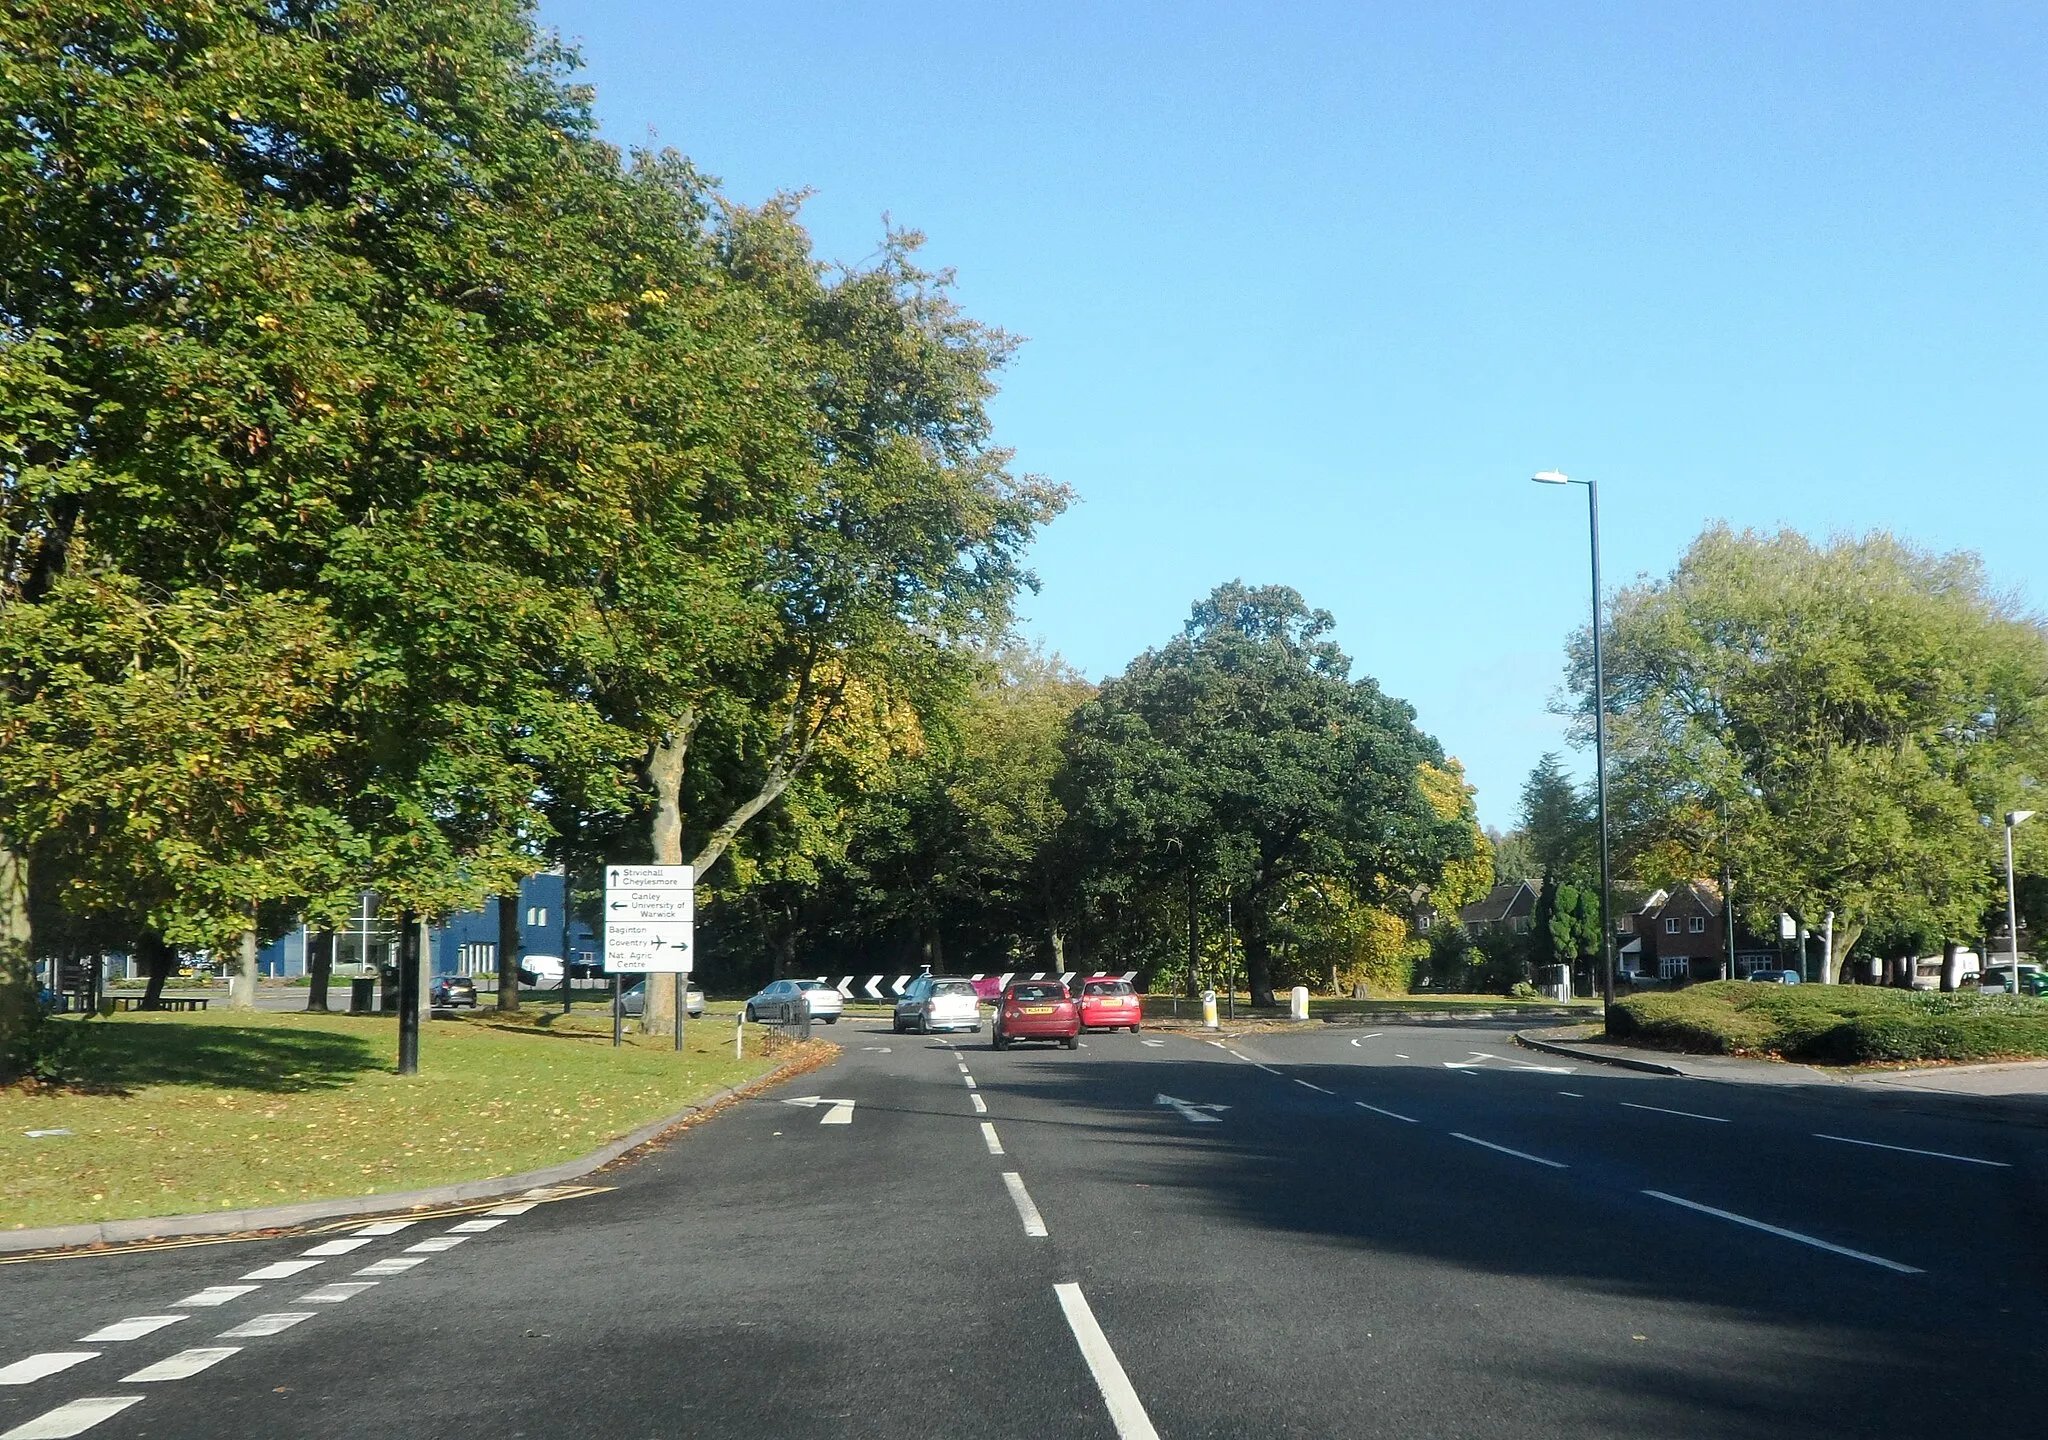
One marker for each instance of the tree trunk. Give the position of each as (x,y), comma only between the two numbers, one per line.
(158,958)
(1059,951)
(17,959)
(242,989)
(508,951)
(665,766)
(1951,966)
(1258,962)
(319,968)
(1846,936)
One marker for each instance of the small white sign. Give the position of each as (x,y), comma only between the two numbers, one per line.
(649,919)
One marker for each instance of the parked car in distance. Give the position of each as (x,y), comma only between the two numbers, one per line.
(1774,977)
(939,1002)
(634,1000)
(1109,1004)
(776,1003)
(1998,980)
(540,971)
(1036,1010)
(454,990)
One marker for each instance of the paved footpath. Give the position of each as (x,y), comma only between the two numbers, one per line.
(1413,1231)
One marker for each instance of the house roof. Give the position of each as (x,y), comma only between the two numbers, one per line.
(1499,904)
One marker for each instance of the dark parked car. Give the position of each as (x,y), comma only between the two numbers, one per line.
(1037,1010)
(454,990)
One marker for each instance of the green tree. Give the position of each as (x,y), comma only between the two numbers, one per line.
(1558,819)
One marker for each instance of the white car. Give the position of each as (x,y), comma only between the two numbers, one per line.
(939,1002)
(776,1004)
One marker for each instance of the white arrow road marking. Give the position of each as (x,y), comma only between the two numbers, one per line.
(1034,1223)
(216,1294)
(133,1328)
(988,1134)
(841,1112)
(1374,1036)
(73,1419)
(872,987)
(183,1365)
(281,1270)
(1155,1044)
(273,1324)
(1780,1232)
(1126,1412)
(35,1367)
(1476,1057)
(1190,1111)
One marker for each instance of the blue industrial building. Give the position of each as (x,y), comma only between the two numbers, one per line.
(466,944)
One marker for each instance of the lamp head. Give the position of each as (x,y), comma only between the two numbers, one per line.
(1551,477)
(2018,817)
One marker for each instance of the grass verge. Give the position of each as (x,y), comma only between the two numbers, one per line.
(1833,1024)
(179,1114)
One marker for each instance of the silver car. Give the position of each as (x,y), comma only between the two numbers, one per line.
(634,1001)
(776,1004)
(939,1002)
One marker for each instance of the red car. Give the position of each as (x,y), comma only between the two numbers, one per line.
(1037,1010)
(1110,1005)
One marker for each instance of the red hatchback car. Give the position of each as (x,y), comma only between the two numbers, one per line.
(1036,1010)
(1110,1005)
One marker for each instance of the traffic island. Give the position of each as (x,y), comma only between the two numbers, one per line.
(217,1114)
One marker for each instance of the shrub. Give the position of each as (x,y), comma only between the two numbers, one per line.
(1831,1024)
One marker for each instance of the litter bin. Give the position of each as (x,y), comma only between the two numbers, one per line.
(362,996)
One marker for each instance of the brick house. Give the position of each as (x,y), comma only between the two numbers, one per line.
(1677,937)
(1508,908)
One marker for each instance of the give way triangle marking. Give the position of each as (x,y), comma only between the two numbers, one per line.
(841,1112)
(1192,1112)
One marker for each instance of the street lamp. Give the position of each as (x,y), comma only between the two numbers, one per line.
(1558,477)
(2013,820)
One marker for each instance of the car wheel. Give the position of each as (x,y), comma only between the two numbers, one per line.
(1072,1042)
(995,1040)
(831,1019)
(1134,1029)
(750,1016)
(924,1024)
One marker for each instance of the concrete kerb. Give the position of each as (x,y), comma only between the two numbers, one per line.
(1572,1052)
(292,1217)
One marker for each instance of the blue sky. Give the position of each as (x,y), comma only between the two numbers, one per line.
(1310,290)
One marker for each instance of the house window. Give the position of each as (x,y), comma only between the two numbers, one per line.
(1424,921)
(536,914)
(1671,926)
(1671,967)
(1698,925)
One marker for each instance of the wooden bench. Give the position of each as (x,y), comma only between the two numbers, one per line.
(167,1002)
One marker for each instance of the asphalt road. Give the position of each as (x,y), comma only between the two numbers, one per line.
(1414,1231)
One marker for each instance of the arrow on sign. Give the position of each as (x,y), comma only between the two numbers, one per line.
(901,981)
(841,1112)
(1129,976)
(1188,1111)
(873,987)
(845,987)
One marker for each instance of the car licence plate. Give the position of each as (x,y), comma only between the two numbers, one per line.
(1038,1009)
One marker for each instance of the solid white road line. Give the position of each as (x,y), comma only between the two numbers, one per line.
(133,1328)
(387,1227)
(512,1209)
(1909,1150)
(980,1105)
(216,1294)
(1518,1154)
(73,1419)
(336,1293)
(988,1135)
(335,1247)
(474,1227)
(272,1324)
(184,1364)
(396,1265)
(1126,1411)
(1688,1114)
(1034,1223)
(1785,1234)
(282,1270)
(1391,1115)
(35,1367)
(1317,1088)
(435,1244)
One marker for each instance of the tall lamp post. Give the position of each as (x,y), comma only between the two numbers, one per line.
(1558,477)
(2013,820)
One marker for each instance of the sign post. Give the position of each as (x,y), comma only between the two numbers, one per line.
(650,914)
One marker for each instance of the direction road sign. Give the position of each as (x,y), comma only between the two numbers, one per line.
(650,917)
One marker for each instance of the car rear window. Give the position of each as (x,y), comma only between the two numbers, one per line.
(952,987)
(812,985)
(1046,991)
(1105,987)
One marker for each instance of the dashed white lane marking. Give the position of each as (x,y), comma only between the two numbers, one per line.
(385,1227)
(282,1270)
(963,1066)
(1399,1056)
(73,1419)
(1785,1234)
(50,1362)
(435,1244)
(183,1365)
(1391,1115)
(474,1227)
(1688,1114)
(336,1293)
(980,1105)
(216,1294)
(970,1081)
(988,1135)
(1219,1045)
(1155,1044)
(1126,1411)
(133,1328)
(1034,1223)
(335,1247)
(1518,1154)
(1573,1093)
(275,1323)
(512,1209)
(396,1265)
(1909,1150)
(1317,1088)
